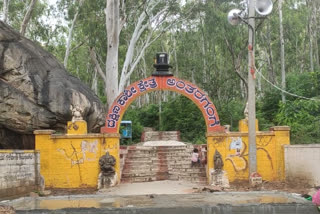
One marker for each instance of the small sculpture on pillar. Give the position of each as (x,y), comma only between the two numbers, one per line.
(217,161)
(76,113)
(108,175)
(218,175)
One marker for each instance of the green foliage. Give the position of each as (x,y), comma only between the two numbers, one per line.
(267,108)
(203,49)
(302,84)
(183,115)
(149,116)
(303,118)
(137,129)
(230,112)
(178,114)
(271,111)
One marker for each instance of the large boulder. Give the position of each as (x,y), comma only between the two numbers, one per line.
(36,92)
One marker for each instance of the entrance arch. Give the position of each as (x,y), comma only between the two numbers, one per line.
(154,83)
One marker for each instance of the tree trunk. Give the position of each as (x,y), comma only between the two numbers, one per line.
(142,24)
(94,85)
(283,72)
(66,56)
(5,10)
(316,52)
(113,32)
(271,75)
(316,31)
(146,98)
(139,28)
(27,17)
(176,73)
(310,44)
(203,50)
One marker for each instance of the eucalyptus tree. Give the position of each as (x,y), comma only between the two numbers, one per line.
(283,71)
(27,17)
(69,39)
(142,23)
(5,10)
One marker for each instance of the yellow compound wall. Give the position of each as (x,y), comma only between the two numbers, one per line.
(270,152)
(72,160)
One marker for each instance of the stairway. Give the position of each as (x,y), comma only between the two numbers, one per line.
(146,163)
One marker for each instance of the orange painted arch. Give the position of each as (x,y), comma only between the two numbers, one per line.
(153,83)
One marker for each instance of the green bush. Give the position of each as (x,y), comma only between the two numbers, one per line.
(303,118)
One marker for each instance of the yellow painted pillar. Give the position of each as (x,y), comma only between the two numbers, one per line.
(243,125)
(111,144)
(43,143)
(282,137)
(215,140)
(77,127)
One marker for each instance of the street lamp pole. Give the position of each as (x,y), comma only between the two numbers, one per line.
(235,16)
(251,90)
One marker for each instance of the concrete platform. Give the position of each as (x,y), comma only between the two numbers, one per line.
(202,203)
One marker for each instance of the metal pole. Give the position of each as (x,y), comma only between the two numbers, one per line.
(251,92)
(160,110)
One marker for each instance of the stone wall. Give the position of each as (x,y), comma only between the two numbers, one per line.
(160,135)
(124,150)
(19,172)
(302,163)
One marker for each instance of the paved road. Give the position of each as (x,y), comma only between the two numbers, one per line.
(165,197)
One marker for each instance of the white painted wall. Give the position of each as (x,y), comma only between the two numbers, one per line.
(302,163)
(19,172)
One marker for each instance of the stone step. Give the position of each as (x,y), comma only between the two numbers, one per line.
(192,179)
(186,161)
(198,180)
(139,161)
(157,168)
(164,154)
(150,164)
(133,175)
(160,148)
(153,160)
(141,148)
(157,175)
(138,179)
(177,165)
(188,174)
(144,164)
(140,170)
(189,170)
(154,173)
(156,160)
(159,153)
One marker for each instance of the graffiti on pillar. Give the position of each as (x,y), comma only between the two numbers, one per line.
(237,158)
(236,144)
(153,83)
(88,152)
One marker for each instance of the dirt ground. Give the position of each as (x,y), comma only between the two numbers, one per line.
(299,188)
(182,187)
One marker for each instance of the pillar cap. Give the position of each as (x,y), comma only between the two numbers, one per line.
(44,132)
(280,128)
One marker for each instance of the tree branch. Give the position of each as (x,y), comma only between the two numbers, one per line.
(27,17)
(94,59)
